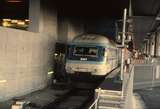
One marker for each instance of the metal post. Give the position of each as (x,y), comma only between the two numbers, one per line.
(99,91)
(155,44)
(96,105)
(130,8)
(123,42)
(122,52)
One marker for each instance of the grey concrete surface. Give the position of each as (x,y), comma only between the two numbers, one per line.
(43,17)
(25,57)
(151,97)
(34,15)
(24,62)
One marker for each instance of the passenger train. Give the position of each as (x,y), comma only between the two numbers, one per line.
(91,54)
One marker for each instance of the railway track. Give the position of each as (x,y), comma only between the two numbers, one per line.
(74,99)
(77,97)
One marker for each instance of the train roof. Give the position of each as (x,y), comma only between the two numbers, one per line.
(92,39)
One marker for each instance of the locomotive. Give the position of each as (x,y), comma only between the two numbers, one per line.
(91,55)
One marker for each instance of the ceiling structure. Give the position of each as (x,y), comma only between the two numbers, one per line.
(73,8)
(92,8)
(145,12)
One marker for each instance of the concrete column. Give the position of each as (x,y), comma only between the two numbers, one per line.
(43,17)
(148,47)
(152,45)
(145,48)
(155,47)
(74,28)
(69,28)
(158,44)
(48,18)
(62,30)
(34,15)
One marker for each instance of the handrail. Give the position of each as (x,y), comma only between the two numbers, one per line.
(128,88)
(126,81)
(95,103)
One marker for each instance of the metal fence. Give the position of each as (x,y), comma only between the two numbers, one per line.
(147,75)
(127,89)
(141,75)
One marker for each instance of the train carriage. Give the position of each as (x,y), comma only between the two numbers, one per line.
(91,54)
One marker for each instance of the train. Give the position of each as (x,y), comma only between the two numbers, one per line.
(91,55)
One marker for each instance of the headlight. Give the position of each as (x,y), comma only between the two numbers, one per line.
(69,69)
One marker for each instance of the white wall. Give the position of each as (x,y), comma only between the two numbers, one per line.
(24,61)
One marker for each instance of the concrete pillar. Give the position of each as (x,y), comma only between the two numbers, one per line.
(152,45)
(155,47)
(158,44)
(43,17)
(48,18)
(69,28)
(147,47)
(34,15)
(62,30)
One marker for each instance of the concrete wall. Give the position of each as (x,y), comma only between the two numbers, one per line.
(25,57)
(75,28)
(48,17)
(24,61)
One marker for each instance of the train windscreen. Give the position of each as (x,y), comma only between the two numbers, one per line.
(86,51)
(89,53)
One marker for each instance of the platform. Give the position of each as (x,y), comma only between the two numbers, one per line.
(150,97)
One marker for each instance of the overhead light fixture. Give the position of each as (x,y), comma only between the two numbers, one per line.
(27,20)
(21,23)
(14,21)
(148,34)
(157,18)
(14,1)
(7,20)
(3,81)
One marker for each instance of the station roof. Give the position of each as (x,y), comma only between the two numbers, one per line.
(145,12)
